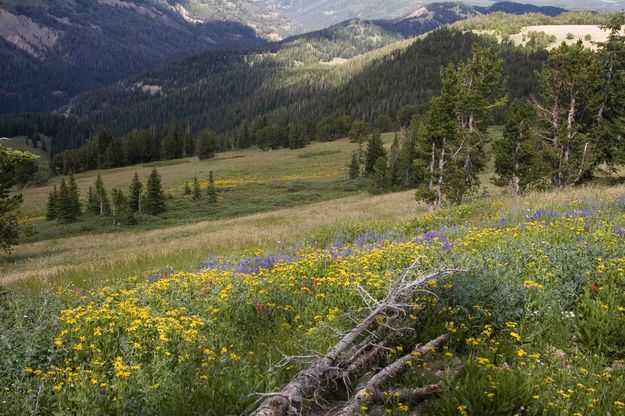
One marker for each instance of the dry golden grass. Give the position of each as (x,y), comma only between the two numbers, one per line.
(92,260)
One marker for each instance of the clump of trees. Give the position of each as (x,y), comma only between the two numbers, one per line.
(196,192)
(64,201)
(11,162)
(561,136)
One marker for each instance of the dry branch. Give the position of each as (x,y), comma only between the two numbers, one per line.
(289,401)
(370,389)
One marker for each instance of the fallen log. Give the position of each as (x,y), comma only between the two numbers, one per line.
(370,390)
(331,367)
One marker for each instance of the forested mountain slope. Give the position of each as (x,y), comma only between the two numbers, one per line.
(51,50)
(224,89)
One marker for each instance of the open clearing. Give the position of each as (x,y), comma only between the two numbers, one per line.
(561,32)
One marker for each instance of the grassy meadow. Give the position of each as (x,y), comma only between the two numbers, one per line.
(189,314)
(534,317)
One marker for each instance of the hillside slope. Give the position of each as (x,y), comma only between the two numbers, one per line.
(221,90)
(51,50)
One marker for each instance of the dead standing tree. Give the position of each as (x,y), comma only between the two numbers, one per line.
(358,348)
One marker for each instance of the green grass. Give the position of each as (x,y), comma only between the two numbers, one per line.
(535,318)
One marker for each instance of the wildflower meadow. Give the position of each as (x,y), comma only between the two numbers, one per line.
(534,319)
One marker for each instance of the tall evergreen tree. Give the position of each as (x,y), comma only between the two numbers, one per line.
(407,175)
(101,197)
(568,103)
(9,227)
(197,191)
(93,205)
(375,150)
(134,194)
(155,198)
(451,148)
(394,158)
(297,136)
(207,144)
(354,166)
(121,212)
(51,212)
(518,161)
(74,198)
(610,115)
(380,179)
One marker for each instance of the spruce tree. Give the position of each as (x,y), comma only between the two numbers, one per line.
(379,178)
(155,198)
(93,206)
(394,162)
(207,144)
(518,154)
(451,142)
(101,197)
(197,191)
(567,107)
(66,208)
(211,191)
(51,212)
(122,214)
(354,166)
(375,150)
(74,198)
(134,194)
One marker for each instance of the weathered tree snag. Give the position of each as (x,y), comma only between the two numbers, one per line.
(333,365)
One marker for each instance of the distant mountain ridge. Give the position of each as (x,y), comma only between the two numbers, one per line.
(221,90)
(51,50)
(316,14)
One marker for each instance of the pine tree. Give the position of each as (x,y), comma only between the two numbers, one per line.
(197,191)
(211,191)
(51,212)
(207,144)
(610,115)
(354,167)
(63,204)
(451,142)
(74,198)
(68,203)
(394,162)
(379,178)
(155,198)
(245,139)
(518,155)
(375,150)
(568,104)
(122,214)
(188,145)
(358,131)
(93,206)
(134,194)
(297,136)
(407,175)
(102,198)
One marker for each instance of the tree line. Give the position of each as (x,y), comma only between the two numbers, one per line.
(563,135)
